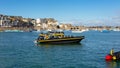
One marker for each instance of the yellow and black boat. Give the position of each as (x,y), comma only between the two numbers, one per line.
(57,38)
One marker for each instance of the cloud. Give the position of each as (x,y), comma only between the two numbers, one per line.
(75,22)
(116,17)
(110,21)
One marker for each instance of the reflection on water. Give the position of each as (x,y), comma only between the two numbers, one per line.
(49,45)
(58,55)
(113,64)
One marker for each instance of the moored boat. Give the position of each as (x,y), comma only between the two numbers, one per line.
(58,37)
(113,56)
(79,31)
(105,31)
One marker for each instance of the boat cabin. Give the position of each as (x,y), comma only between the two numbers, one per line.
(51,35)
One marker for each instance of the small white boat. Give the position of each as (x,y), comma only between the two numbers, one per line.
(105,31)
(116,29)
(78,31)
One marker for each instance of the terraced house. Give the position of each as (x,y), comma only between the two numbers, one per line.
(4,21)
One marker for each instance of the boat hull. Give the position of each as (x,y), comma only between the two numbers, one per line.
(63,40)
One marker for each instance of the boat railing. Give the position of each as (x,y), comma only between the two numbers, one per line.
(56,36)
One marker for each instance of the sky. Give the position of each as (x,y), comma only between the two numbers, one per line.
(76,12)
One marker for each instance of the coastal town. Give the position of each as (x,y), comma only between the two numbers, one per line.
(19,23)
(59,33)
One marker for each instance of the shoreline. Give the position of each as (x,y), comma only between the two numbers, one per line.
(26,29)
(30,29)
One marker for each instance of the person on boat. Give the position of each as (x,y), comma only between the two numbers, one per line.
(46,36)
(111,52)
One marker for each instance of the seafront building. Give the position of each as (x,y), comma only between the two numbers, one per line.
(46,24)
(4,21)
(65,26)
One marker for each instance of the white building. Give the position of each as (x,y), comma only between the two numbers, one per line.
(38,22)
(4,21)
(46,23)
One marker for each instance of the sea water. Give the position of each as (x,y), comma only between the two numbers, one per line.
(18,50)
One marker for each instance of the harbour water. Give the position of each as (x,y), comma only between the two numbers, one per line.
(17,50)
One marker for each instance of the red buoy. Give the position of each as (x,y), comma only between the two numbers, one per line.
(108,57)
